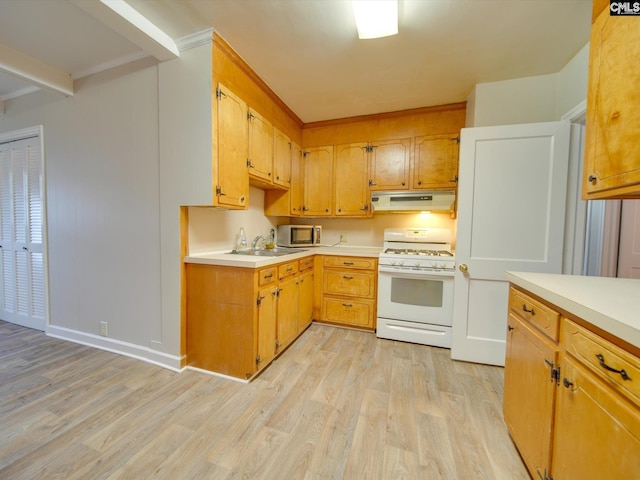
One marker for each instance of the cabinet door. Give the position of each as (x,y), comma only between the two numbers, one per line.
(436,162)
(352,193)
(266,326)
(287,312)
(318,181)
(305,300)
(232,189)
(612,150)
(529,393)
(597,433)
(297,181)
(389,165)
(281,159)
(260,161)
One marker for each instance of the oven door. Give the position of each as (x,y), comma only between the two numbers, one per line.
(415,296)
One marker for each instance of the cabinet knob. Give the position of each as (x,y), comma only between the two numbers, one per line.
(419,182)
(593,178)
(566,382)
(403,183)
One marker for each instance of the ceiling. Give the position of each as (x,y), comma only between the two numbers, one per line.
(307,51)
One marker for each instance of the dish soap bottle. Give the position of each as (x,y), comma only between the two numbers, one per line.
(242,241)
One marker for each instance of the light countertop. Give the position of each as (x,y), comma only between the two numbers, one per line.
(248,261)
(612,304)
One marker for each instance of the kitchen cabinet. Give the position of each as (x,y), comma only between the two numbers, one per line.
(351,191)
(435,162)
(232,182)
(260,159)
(282,153)
(389,164)
(529,386)
(349,291)
(288,203)
(597,433)
(239,319)
(305,295)
(612,150)
(318,181)
(579,416)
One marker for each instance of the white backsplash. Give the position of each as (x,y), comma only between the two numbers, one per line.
(213,230)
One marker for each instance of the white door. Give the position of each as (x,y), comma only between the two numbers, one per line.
(629,253)
(22,278)
(511,210)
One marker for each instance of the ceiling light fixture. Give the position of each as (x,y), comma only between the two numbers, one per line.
(376,18)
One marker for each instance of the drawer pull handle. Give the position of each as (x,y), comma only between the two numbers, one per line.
(525,309)
(289,269)
(347,278)
(623,373)
(268,276)
(347,263)
(347,305)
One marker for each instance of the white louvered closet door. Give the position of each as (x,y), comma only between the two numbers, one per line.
(22,280)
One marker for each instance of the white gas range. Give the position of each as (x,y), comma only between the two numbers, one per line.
(415,286)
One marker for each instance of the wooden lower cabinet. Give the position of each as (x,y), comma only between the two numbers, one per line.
(349,291)
(572,402)
(597,434)
(530,386)
(239,319)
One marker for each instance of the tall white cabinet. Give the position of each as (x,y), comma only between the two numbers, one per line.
(22,262)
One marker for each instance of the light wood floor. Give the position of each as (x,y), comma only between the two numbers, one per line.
(338,404)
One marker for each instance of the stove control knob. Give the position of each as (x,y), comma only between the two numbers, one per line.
(393,263)
(400,263)
(418,264)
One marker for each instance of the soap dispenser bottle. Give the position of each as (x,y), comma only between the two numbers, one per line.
(242,241)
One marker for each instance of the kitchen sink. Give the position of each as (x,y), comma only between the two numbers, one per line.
(273,252)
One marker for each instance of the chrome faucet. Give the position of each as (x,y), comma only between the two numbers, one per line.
(256,240)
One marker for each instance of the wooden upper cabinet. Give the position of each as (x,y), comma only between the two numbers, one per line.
(389,165)
(612,149)
(260,160)
(351,168)
(318,181)
(435,162)
(232,187)
(281,159)
(297,181)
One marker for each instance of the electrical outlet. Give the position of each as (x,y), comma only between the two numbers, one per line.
(104,329)
(343,238)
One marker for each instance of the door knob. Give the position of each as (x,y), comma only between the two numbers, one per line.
(463,267)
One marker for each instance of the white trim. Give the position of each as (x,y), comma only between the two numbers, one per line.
(577,114)
(34,71)
(203,37)
(116,62)
(19,93)
(219,375)
(21,134)
(171,362)
(1,105)
(132,25)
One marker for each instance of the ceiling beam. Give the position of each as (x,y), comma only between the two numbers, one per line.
(123,19)
(35,71)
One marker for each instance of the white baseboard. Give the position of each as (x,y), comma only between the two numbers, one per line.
(172,362)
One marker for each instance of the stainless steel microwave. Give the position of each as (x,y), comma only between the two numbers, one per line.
(299,235)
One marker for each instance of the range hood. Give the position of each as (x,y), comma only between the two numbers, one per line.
(432,201)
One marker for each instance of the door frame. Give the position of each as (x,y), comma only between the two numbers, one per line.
(22,134)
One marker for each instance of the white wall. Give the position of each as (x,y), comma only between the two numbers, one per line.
(216,230)
(542,98)
(121,156)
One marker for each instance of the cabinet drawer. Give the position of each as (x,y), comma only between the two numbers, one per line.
(360,263)
(287,269)
(538,314)
(347,282)
(305,263)
(602,357)
(359,313)
(267,276)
